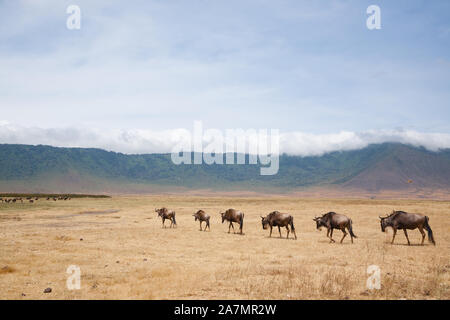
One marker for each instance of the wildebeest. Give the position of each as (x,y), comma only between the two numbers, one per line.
(201,216)
(278,219)
(233,216)
(165,213)
(333,220)
(404,220)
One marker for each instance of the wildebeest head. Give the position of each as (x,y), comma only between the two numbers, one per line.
(265,222)
(385,221)
(319,222)
(159,212)
(197,215)
(223,216)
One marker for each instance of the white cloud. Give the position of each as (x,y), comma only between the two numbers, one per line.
(152,141)
(295,64)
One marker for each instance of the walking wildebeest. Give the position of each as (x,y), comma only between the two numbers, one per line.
(201,216)
(278,219)
(233,216)
(165,213)
(333,220)
(403,220)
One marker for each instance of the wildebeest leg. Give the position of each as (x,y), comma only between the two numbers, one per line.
(279,230)
(201,225)
(231,224)
(163,222)
(351,237)
(331,235)
(393,237)
(270,235)
(287,228)
(406,235)
(345,233)
(423,234)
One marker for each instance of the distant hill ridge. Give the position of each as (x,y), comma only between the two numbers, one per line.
(387,166)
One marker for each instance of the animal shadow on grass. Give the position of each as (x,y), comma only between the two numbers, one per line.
(409,245)
(278,238)
(335,242)
(235,233)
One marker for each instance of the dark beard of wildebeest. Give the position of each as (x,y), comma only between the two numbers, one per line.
(233,216)
(278,219)
(333,220)
(201,216)
(164,213)
(403,220)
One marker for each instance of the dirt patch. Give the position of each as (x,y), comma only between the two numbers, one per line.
(10,217)
(7,269)
(100,212)
(63,238)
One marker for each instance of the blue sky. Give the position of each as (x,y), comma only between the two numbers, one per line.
(298,66)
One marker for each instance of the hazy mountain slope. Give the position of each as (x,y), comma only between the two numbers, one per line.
(402,167)
(383,166)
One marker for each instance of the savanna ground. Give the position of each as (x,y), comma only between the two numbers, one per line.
(124,252)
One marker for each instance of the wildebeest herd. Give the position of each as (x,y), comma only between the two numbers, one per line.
(397,220)
(30,199)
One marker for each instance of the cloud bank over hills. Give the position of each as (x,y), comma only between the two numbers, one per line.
(143,141)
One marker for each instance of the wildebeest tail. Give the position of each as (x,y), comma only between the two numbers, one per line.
(241,224)
(430,232)
(351,229)
(174,220)
(292,223)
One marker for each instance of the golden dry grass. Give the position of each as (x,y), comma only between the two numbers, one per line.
(124,252)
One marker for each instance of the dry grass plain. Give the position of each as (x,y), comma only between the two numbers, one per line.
(126,254)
